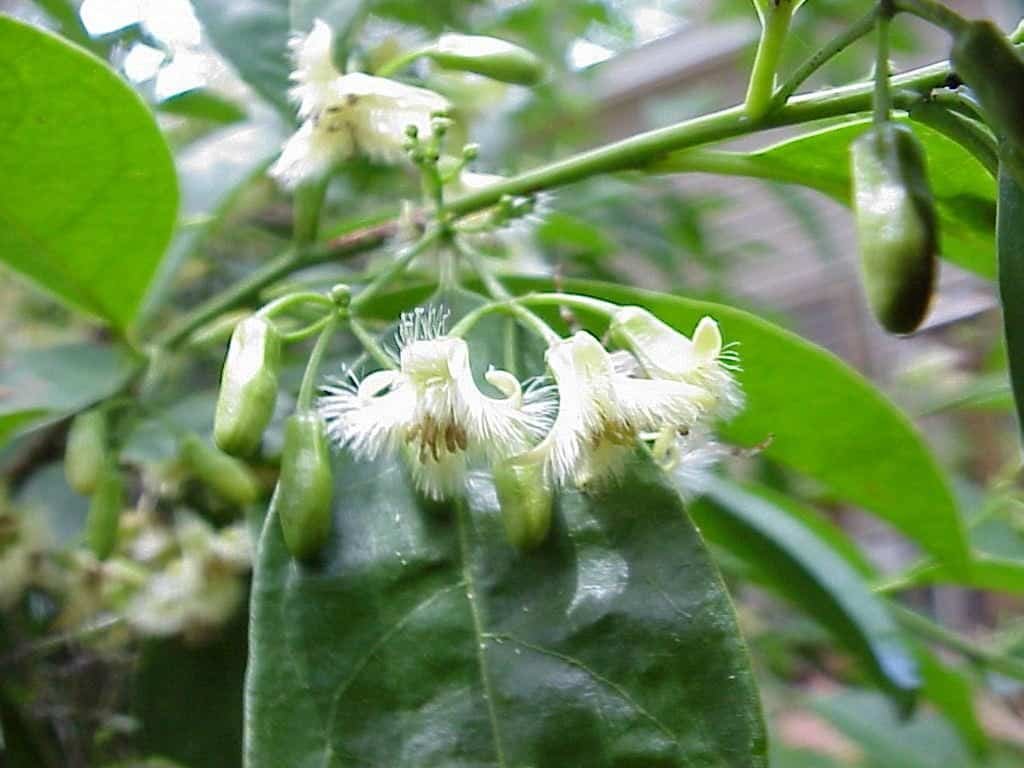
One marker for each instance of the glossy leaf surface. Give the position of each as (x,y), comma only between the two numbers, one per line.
(89,189)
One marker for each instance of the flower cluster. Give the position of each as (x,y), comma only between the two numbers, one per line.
(660,387)
(345,114)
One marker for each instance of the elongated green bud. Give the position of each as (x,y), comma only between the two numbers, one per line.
(248,387)
(101,525)
(487,56)
(526,501)
(302,499)
(227,477)
(896,225)
(985,60)
(85,455)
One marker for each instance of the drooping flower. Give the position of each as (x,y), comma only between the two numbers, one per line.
(346,114)
(431,409)
(603,411)
(664,353)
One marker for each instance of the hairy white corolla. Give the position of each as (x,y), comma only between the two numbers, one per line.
(664,353)
(431,409)
(603,411)
(346,114)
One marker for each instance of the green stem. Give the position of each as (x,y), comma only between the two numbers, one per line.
(285,303)
(775,27)
(400,62)
(639,151)
(883,99)
(476,260)
(585,303)
(343,246)
(928,629)
(371,345)
(397,267)
(833,48)
(310,330)
(513,308)
(933,12)
(308,386)
(306,205)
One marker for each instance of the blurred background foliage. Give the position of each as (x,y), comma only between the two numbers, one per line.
(78,687)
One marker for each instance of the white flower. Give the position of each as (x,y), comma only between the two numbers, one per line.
(432,410)
(664,353)
(603,411)
(345,114)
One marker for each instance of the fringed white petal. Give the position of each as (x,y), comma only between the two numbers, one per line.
(314,69)
(309,155)
(369,417)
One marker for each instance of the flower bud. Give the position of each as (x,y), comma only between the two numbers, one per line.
(101,525)
(248,387)
(487,56)
(896,225)
(225,476)
(526,500)
(302,499)
(86,453)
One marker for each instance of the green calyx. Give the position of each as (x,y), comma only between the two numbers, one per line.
(225,476)
(85,457)
(487,56)
(103,521)
(248,387)
(526,501)
(896,225)
(302,498)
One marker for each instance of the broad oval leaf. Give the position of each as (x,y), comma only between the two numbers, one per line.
(46,383)
(89,195)
(965,195)
(425,639)
(824,418)
(790,559)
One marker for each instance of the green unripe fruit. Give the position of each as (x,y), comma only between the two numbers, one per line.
(85,455)
(896,225)
(302,499)
(101,525)
(227,477)
(248,387)
(525,500)
(985,60)
(487,56)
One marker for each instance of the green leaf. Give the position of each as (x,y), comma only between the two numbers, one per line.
(788,558)
(425,639)
(88,198)
(1010,242)
(202,104)
(52,382)
(253,36)
(988,572)
(824,418)
(953,695)
(964,191)
(923,742)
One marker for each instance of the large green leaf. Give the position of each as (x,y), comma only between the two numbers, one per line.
(964,191)
(253,36)
(787,557)
(824,419)
(1010,241)
(50,382)
(424,639)
(88,197)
